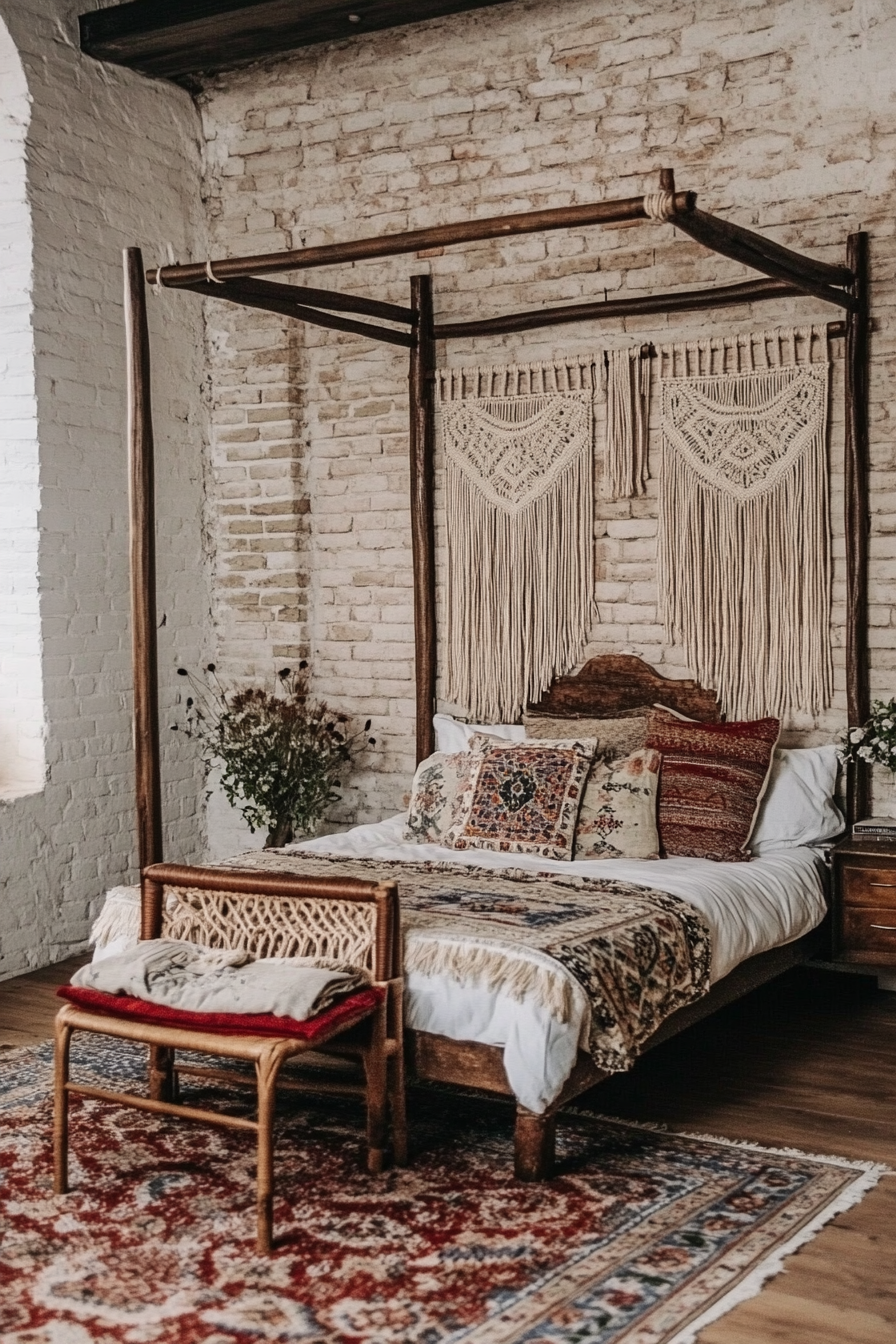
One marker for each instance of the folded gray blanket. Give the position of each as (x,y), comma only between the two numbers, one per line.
(200,980)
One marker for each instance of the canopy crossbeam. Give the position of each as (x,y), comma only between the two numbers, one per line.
(784,270)
(417,240)
(782,273)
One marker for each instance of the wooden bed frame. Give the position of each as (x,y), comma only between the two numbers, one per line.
(603,686)
(469,1064)
(607,685)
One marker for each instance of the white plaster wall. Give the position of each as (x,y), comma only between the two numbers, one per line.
(227,832)
(113,160)
(782,115)
(21,683)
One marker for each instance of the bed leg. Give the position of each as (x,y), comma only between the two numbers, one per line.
(533,1145)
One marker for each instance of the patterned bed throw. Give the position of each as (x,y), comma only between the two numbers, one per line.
(638,954)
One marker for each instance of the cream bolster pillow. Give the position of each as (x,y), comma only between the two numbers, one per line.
(798,807)
(199,980)
(617,736)
(452,735)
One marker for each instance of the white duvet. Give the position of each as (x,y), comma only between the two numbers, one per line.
(750,908)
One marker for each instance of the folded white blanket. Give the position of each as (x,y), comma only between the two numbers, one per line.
(200,980)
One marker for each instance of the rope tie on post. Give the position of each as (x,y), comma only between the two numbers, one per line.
(660,206)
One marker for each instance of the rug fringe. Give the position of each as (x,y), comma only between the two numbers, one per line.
(752,1285)
(869,1173)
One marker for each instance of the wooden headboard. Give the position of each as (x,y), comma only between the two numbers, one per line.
(615,682)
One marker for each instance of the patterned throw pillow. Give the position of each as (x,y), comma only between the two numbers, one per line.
(712,781)
(434,796)
(618,816)
(523,799)
(614,737)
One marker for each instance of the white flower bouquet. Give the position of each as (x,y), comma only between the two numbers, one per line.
(875,741)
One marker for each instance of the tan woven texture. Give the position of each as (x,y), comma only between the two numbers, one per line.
(744,529)
(518,446)
(628,405)
(338,932)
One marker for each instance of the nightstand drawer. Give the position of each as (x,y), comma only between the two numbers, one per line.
(869,886)
(869,929)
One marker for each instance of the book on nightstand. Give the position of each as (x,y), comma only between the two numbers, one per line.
(881,828)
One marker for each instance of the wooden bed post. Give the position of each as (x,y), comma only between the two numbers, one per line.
(857,517)
(143,611)
(422,449)
(782,273)
(143,565)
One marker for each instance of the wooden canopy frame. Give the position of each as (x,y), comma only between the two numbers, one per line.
(782,272)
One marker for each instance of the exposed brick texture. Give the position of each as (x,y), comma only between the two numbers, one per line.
(294,496)
(112,160)
(781,117)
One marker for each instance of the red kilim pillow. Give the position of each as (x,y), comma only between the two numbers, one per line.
(711,783)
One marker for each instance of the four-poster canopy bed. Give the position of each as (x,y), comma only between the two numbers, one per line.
(605,686)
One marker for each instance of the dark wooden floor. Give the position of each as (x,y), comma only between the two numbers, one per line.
(808,1062)
(28,1003)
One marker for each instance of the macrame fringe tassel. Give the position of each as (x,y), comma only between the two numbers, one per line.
(518,443)
(744,562)
(746,589)
(494,968)
(628,400)
(521,592)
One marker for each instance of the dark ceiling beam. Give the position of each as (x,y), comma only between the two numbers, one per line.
(177,39)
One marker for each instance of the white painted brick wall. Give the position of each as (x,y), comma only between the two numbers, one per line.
(113,160)
(21,689)
(781,116)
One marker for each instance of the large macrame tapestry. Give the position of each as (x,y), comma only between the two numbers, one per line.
(518,444)
(744,551)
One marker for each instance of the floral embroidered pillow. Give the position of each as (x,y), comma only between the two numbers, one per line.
(523,799)
(618,815)
(434,796)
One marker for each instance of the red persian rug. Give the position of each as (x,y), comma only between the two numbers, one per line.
(642,1237)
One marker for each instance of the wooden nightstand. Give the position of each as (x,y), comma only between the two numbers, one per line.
(865,901)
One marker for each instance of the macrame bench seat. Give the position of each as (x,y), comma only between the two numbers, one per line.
(333,919)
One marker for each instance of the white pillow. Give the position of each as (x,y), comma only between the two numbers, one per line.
(798,807)
(452,735)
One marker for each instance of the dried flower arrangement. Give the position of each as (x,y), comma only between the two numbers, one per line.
(282,753)
(875,741)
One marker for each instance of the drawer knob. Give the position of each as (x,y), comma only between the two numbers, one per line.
(882,884)
(891,928)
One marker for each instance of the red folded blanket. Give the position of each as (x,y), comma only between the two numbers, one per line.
(348,1010)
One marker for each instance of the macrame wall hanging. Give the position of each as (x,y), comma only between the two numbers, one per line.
(518,444)
(628,402)
(744,552)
